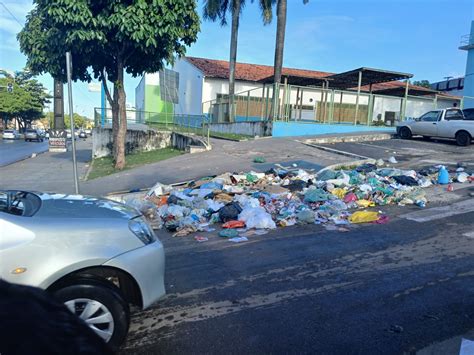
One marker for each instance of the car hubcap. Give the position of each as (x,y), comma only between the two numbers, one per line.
(95,314)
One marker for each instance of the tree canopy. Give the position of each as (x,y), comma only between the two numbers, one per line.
(424,83)
(107,38)
(26,102)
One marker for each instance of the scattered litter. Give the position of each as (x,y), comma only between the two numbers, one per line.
(228,233)
(238,239)
(234,224)
(252,203)
(259,160)
(364,217)
(392,160)
(200,238)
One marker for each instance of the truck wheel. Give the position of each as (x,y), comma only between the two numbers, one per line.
(101,307)
(405,133)
(463,138)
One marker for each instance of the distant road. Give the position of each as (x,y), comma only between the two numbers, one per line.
(12,151)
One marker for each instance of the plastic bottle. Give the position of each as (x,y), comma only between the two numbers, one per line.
(443,176)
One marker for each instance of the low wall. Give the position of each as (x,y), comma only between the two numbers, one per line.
(289,129)
(142,140)
(261,129)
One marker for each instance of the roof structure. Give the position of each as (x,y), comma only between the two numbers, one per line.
(370,76)
(250,72)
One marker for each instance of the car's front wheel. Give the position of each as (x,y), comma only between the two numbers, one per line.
(463,138)
(405,133)
(101,307)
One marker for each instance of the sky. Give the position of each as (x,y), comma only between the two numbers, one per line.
(414,36)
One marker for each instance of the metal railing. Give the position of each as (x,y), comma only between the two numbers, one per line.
(189,124)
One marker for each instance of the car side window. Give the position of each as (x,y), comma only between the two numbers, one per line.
(431,116)
(452,115)
(468,114)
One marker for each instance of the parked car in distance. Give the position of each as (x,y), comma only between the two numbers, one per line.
(446,123)
(468,113)
(11,134)
(88,131)
(33,135)
(82,134)
(95,255)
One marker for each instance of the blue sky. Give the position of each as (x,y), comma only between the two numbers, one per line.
(415,36)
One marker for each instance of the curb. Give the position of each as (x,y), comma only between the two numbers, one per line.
(353,162)
(351,138)
(335,151)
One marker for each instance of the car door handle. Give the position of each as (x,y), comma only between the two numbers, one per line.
(435,123)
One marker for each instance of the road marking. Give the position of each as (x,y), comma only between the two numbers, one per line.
(432,214)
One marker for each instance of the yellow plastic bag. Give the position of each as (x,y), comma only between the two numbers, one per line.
(365,203)
(339,192)
(363,217)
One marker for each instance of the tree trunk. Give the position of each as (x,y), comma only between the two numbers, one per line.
(122,128)
(233,55)
(115,120)
(280,40)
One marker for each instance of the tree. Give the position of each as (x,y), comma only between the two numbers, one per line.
(25,103)
(424,83)
(107,38)
(217,10)
(280,39)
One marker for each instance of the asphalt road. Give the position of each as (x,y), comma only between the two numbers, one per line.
(377,289)
(414,153)
(12,151)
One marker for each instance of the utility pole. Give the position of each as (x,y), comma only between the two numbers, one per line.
(71,117)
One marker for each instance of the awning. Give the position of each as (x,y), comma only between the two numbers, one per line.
(412,91)
(296,80)
(350,79)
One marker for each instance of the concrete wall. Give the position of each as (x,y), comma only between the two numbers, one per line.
(143,140)
(214,86)
(261,129)
(137,140)
(288,129)
(469,76)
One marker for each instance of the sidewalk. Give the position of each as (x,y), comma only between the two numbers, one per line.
(49,172)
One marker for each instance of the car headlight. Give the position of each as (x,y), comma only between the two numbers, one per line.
(142,230)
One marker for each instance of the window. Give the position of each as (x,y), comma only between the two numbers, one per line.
(431,116)
(453,115)
(19,203)
(469,114)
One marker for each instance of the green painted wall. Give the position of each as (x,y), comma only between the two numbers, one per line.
(156,109)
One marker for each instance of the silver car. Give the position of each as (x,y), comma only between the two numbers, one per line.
(95,255)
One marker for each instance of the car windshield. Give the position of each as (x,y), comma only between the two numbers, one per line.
(431,116)
(30,131)
(19,203)
(8,131)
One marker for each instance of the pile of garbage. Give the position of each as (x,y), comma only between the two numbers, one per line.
(283,197)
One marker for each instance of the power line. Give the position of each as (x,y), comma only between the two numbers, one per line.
(11,14)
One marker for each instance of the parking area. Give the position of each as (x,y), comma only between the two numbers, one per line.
(414,153)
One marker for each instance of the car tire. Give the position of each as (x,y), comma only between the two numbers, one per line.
(463,138)
(109,303)
(405,133)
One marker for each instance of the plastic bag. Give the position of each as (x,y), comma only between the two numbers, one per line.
(234,224)
(339,192)
(364,217)
(230,212)
(256,217)
(316,195)
(306,216)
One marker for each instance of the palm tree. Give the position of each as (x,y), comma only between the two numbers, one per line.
(217,10)
(280,39)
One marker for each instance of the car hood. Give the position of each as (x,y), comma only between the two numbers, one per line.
(82,206)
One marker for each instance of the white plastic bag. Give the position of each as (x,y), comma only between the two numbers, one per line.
(256,217)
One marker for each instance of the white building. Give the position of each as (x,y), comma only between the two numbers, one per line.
(306,95)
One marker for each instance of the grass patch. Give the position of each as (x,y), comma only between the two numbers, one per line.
(233,136)
(105,166)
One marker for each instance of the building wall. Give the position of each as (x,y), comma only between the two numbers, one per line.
(214,86)
(148,100)
(469,77)
(190,90)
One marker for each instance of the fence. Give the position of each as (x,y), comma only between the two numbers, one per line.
(190,124)
(319,105)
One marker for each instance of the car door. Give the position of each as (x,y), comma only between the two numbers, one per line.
(426,125)
(445,126)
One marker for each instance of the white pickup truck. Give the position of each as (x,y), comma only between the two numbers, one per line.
(447,123)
